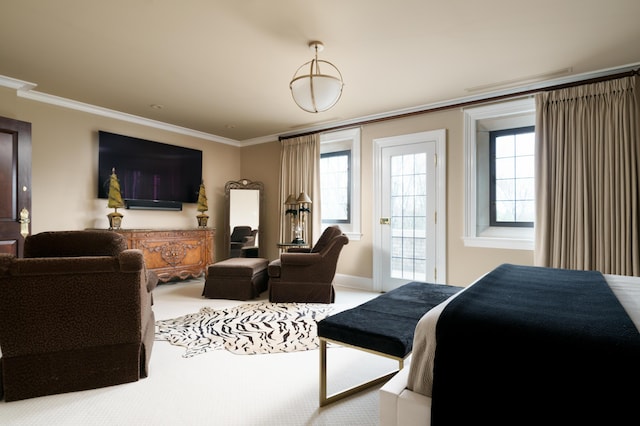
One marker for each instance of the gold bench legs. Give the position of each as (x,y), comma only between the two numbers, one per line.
(324,398)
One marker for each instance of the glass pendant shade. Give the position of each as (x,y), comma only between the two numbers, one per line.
(314,91)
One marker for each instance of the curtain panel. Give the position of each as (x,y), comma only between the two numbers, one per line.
(587,164)
(300,171)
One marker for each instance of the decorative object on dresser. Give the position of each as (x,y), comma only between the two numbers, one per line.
(115,201)
(202,207)
(174,254)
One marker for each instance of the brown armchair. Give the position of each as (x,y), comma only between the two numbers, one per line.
(306,276)
(75,314)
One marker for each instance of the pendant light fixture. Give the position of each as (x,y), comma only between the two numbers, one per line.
(315,89)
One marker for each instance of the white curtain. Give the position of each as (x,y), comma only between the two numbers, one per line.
(299,172)
(587,165)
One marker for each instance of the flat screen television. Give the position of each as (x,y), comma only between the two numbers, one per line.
(151,174)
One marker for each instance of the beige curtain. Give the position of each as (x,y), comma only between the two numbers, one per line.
(587,163)
(299,171)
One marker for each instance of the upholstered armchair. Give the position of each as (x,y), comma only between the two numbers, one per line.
(75,314)
(242,236)
(306,275)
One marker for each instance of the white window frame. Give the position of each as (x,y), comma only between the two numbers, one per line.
(340,141)
(478,121)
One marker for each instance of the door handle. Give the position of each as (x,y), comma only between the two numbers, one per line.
(24,222)
(385,221)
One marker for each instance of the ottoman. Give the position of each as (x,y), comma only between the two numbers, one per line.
(237,278)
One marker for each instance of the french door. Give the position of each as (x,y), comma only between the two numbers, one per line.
(410,216)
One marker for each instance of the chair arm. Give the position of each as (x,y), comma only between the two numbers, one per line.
(131,260)
(300,259)
(299,250)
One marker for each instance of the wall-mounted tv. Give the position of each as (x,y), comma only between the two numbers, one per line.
(151,174)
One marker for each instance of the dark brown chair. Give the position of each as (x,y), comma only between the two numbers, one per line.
(241,237)
(306,276)
(75,314)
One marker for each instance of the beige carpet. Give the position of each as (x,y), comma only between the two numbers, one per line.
(218,387)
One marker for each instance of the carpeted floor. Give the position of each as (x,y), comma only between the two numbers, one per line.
(219,387)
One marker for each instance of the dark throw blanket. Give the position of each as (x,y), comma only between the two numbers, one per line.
(529,345)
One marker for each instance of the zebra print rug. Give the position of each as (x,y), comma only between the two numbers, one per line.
(247,329)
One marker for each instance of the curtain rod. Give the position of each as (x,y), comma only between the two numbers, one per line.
(488,99)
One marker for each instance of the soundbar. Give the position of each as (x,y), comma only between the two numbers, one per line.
(153,205)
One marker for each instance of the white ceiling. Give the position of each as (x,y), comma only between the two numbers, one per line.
(223,67)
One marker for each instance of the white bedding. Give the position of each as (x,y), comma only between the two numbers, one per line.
(406,399)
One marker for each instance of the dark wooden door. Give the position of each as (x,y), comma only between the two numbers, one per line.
(15,184)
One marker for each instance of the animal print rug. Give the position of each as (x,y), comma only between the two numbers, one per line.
(251,328)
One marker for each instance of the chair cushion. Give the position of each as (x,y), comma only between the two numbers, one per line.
(238,267)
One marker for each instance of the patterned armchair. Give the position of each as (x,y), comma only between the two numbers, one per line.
(75,314)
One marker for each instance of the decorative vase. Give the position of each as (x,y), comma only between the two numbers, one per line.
(115,220)
(202,220)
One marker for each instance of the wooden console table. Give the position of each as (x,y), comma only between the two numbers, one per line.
(174,254)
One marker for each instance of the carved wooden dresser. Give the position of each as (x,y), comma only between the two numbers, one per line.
(174,254)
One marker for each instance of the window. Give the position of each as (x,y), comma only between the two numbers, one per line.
(340,180)
(335,181)
(512,189)
(494,216)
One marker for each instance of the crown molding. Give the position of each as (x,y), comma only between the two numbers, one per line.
(24,89)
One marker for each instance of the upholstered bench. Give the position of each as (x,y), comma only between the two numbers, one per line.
(237,278)
(383,326)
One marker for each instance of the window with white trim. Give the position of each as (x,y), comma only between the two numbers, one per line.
(480,229)
(340,181)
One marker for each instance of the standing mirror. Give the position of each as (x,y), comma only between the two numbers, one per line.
(244,215)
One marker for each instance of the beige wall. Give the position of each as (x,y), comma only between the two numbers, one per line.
(65,161)
(64,182)
(464,264)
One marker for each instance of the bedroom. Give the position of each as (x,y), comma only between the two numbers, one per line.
(65,137)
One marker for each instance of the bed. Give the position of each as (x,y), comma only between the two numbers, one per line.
(571,353)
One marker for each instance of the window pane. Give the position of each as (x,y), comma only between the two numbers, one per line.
(505,189)
(505,211)
(525,211)
(505,168)
(525,166)
(525,144)
(524,189)
(505,146)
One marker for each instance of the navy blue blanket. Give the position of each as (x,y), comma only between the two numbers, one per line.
(528,345)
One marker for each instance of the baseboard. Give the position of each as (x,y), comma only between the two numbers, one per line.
(352,281)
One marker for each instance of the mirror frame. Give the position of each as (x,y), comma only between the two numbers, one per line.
(242,184)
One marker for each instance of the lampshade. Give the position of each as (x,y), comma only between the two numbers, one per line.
(291,200)
(316,90)
(303,198)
